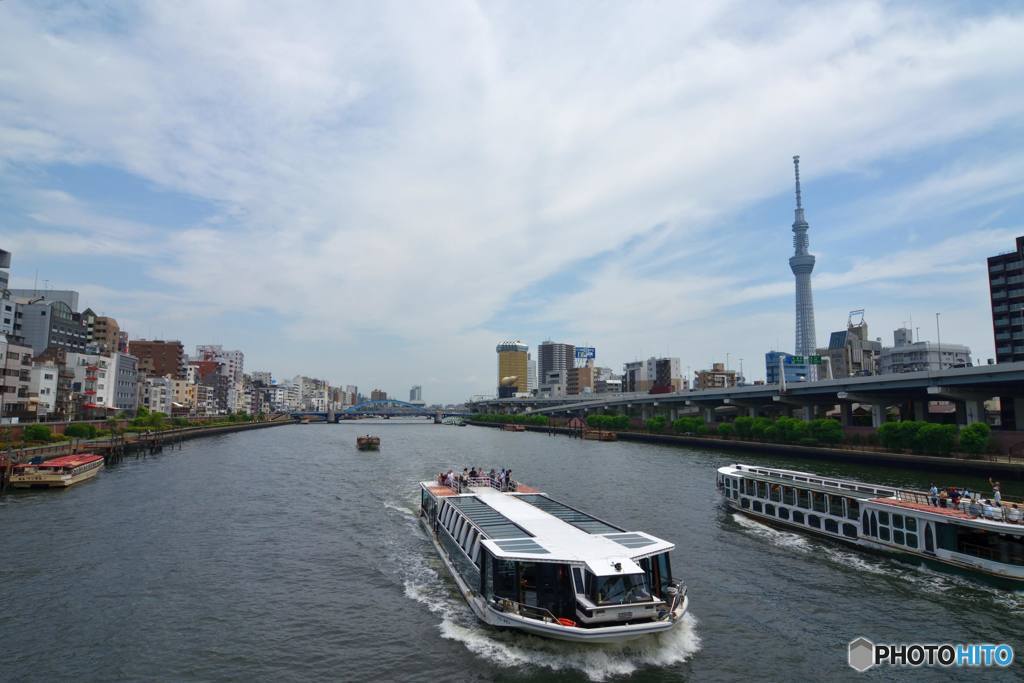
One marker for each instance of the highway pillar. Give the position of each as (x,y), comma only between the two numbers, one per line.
(806,413)
(709,415)
(645,412)
(1018,412)
(877,415)
(674,413)
(974,411)
(846,414)
(751,412)
(921,411)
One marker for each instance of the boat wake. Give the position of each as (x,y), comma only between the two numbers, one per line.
(507,649)
(928,580)
(398,507)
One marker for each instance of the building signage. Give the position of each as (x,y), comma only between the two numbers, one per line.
(585,353)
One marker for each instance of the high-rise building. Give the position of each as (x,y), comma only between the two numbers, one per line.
(5,264)
(554,356)
(802,263)
(101,332)
(513,368)
(531,374)
(1006,289)
(715,378)
(378,395)
(43,323)
(159,358)
(416,394)
(68,297)
(909,356)
(6,302)
(851,352)
(15,378)
(793,372)
(233,361)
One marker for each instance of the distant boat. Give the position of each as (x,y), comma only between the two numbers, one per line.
(599,435)
(368,443)
(513,428)
(56,473)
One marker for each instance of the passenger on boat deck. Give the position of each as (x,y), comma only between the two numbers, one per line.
(943,498)
(954,495)
(472,473)
(933,495)
(1014,514)
(995,491)
(492,474)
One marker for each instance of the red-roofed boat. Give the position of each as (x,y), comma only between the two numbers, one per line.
(59,472)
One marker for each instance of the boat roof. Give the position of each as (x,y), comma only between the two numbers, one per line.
(535,527)
(70,460)
(808,480)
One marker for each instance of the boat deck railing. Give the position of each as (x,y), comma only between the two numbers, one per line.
(492,482)
(529,611)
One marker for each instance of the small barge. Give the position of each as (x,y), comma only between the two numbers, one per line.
(368,443)
(59,472)
(988,539)
(525,561)
(513,428)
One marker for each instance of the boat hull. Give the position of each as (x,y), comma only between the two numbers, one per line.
(50,480)
(908,555)
(507,620)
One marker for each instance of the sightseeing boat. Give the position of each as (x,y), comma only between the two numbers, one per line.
(368,443)
(56,473)
(513,428)
(525,561)
(978,538)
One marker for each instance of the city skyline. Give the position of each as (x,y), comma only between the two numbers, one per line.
(381,204)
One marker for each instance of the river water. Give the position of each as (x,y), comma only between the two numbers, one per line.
(286,554)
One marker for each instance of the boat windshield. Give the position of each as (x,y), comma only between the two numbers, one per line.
(619,589)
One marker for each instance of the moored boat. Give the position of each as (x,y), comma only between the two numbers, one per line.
(983,538)
(59,472)
(525,561)
(513,428)
(599,435)
(368,443)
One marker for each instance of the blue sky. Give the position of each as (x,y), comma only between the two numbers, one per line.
(379,193)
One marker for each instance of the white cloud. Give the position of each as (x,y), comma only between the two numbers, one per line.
(404,170)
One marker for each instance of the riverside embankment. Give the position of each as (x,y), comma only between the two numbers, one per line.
(981,466)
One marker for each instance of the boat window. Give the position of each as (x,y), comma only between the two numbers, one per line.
(831,525)
(798,516)
(783,513)
(814,520)
(897,536)
(803,499)
(883,531)
(620,589)
(474,552)
(929,541)
(577,578)
(760,489)
(735,494)
(874,525)
(788,497)
(457,528)
(757,506)
(505,579)
(866,523)
(818,501)
(835,506)
(883,517)
(912,540)
(745,503)
(849,530)
(852,509)
(769,509)
(467,538)
(487,573)
(897,521)
(911,523)
(775,493)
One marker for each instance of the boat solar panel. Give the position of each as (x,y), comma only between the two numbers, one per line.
(580,520)
(491,522)
(630,540)
(524,546)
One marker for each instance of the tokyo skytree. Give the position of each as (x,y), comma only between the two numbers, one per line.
(802,263)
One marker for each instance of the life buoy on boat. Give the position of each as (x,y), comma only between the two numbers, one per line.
(566,622)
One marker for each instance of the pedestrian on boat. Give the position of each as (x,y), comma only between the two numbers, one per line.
(943,498)
(996,495)
(933,495)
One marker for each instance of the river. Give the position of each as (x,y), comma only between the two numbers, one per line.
(285,554)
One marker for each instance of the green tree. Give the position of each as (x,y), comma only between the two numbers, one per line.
(80,430)
(974,438)
(726,430)
(936,439)
(37,432)
(826,431)
(759,428)
(656,424)
(744,426)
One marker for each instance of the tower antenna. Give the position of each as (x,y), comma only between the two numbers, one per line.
(796,169)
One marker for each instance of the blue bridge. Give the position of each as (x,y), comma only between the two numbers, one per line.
(378,408)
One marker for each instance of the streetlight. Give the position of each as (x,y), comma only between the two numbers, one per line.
(938,334)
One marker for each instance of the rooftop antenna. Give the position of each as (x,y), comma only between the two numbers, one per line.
(796,168)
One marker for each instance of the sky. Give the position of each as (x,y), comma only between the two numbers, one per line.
(379,193)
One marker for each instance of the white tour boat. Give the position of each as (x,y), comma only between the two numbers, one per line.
(58,472)
(525,561)
(979,538)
